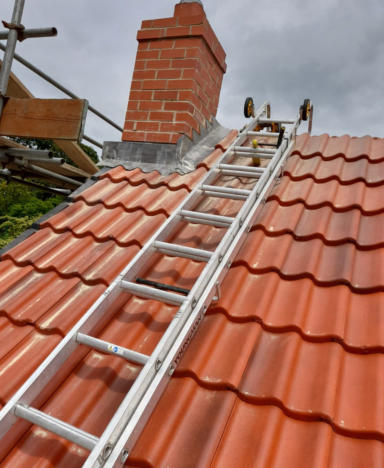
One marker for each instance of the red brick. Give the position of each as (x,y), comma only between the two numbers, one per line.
(185,63)
(154,84)
(186,95)
(144,74)
(191,97)
(147,54)
(148,126)
(194,52)
(162,44)
(161,116)
(178,127)
(189,42)
(136,115)
(133,105)
(185,117)
(173,53)
(190,73)
(181,84)
(178,32)
(168,74)
(166,95)
(150,34)
(143,45)
(164,23)
(175,137)
(140,64)
(146,24)
(129,125)
(179,106)
(198,30)
(139,95)
(151,105)
(138,84)
(158,137)
(133,136)
(156,64)
(194,19)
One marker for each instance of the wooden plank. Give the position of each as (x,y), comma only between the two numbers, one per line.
(44,118)
(71,148)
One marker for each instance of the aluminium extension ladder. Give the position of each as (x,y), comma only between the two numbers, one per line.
(114,445)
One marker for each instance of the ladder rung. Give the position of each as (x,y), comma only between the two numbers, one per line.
(235,167)
(223,189)
(241,171)
(245,149)
(253,155)
(225,192)
(151,293)
(207,218)
(267,144)
(277,121)
(228,172)
(175,250)
(111,348)
(61,428)
(263,134)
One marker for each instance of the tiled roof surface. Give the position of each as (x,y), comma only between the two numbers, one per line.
(285,370)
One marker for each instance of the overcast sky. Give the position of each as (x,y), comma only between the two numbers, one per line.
(331,51)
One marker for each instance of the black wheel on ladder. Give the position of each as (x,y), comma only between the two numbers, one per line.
(248,107)
(305,109)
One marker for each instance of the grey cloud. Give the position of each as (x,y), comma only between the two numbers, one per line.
(331,51)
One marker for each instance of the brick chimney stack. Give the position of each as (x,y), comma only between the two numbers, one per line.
(177,77)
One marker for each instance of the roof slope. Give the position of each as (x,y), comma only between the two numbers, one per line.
(284,370)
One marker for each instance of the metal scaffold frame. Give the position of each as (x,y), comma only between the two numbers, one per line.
(17,32)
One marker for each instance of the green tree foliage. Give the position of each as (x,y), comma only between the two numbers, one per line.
(20,206)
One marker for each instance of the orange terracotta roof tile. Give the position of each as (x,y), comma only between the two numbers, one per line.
(324,264)
(318,313)
(153,201)
(332,227)
(41,299)
(250,435)
(275,368)
(155,180)
(104,224)
(332,193)
(69,256)
(284,370)
(19,362)
(330,147)
(346,172)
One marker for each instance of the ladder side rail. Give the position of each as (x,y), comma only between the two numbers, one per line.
(143,411)
(136,265)
(97,315)
(130,403)
(45,372)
